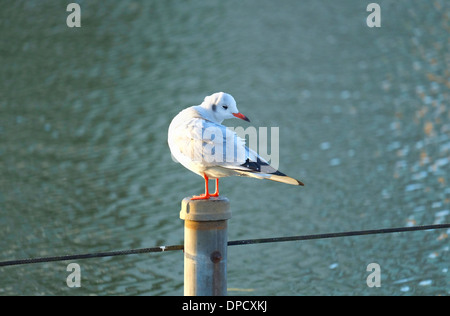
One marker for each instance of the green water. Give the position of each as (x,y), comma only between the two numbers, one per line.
(363,116)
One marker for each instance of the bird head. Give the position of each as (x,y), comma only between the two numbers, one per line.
(222,106)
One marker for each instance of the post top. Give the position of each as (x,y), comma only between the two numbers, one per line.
(214,209)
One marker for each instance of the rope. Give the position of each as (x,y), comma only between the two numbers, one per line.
(230,243)
(336,235)
(91,255)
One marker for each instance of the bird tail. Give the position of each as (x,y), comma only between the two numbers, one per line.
(279,177)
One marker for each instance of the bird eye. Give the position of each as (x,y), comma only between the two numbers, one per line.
(225,107)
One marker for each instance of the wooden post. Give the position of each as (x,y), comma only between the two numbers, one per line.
(205,246)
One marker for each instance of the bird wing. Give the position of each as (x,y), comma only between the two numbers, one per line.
(256,167)
(208,143)
(216,147)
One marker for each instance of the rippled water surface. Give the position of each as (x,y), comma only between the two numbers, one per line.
(363,116)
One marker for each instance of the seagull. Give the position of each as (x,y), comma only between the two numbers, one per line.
(198,140)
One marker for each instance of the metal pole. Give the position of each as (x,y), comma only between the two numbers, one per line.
(205,246)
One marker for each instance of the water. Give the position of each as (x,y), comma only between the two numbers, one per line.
(363,117)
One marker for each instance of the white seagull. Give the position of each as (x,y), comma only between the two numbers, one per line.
(198,140)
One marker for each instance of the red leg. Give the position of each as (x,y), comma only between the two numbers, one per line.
(216,194)
(205,196)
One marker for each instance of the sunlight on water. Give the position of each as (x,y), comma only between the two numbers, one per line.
(363,120)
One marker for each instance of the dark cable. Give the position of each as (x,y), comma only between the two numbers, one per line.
(230,243)
(90,255)
(335,235)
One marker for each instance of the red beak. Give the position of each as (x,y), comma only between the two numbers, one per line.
(241,116)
